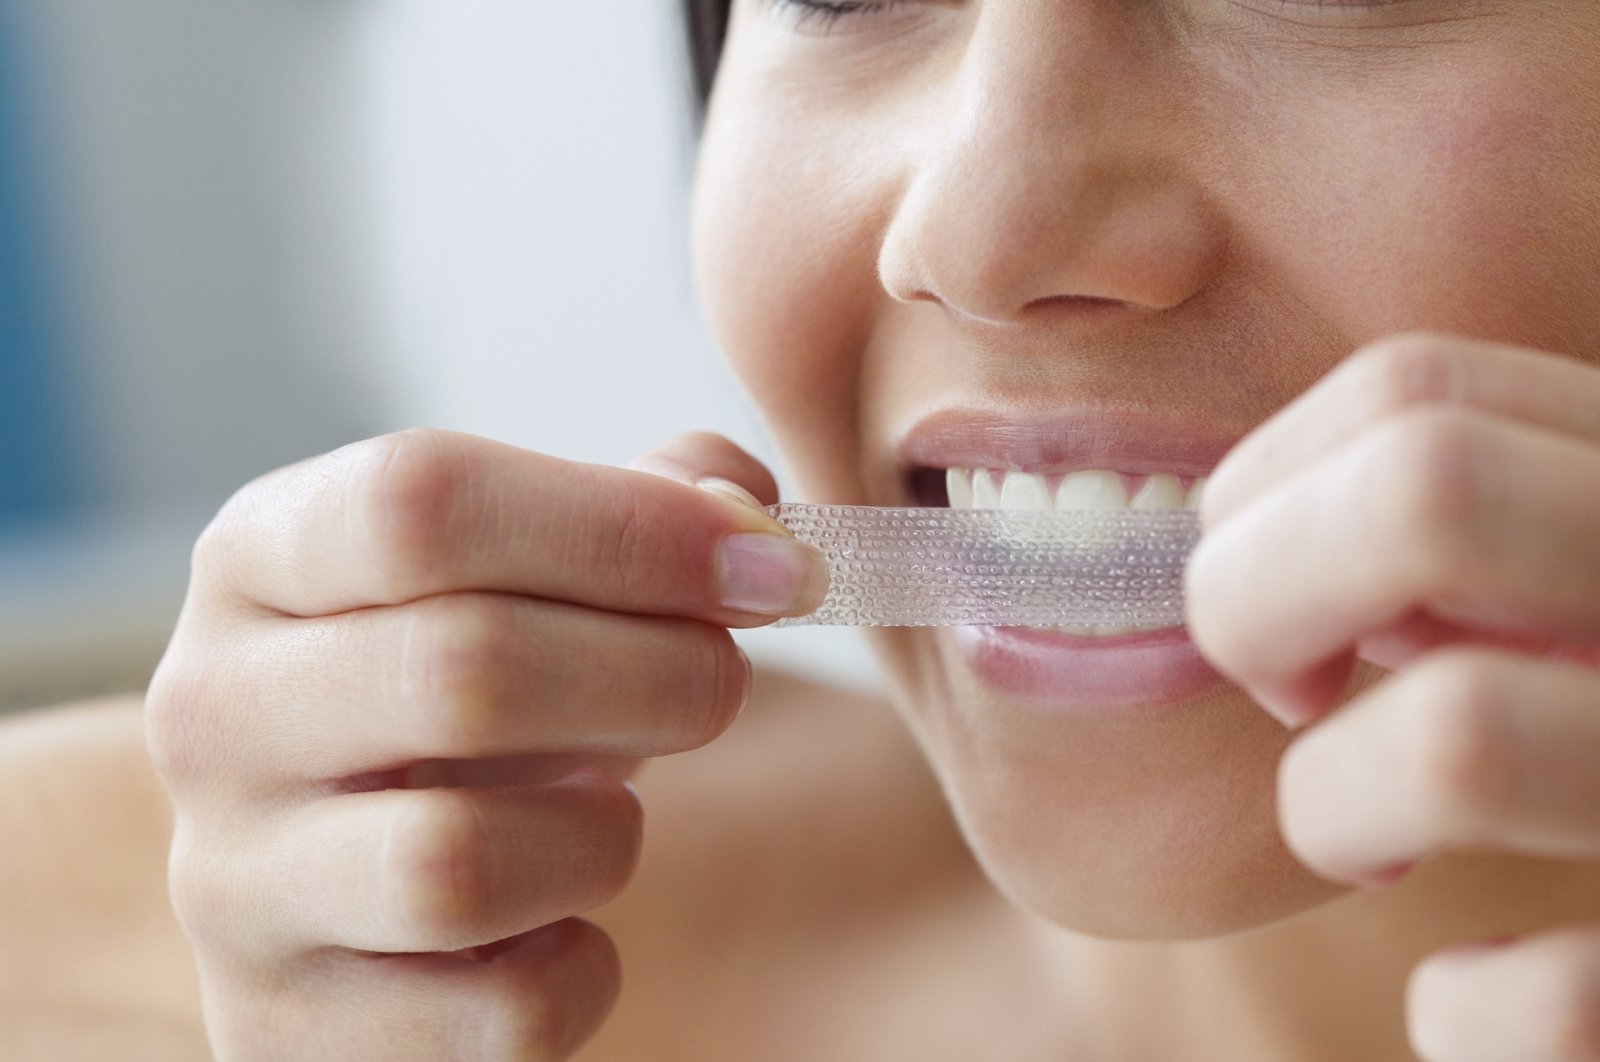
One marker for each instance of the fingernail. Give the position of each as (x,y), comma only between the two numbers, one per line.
(770,574)
(730,489)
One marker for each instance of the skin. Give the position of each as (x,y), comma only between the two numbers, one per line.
(969,216)
(383,811)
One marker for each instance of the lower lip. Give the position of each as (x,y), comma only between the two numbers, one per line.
(1064,672)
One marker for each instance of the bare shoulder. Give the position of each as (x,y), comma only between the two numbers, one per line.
(92,963)
(781,861)
(804,755)
(812,775)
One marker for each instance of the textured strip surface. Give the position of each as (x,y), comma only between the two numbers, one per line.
(950,567)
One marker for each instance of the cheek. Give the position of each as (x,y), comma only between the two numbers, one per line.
(786,228)
(1466,206)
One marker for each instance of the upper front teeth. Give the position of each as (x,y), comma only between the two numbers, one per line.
(1091,489)
(1085,490)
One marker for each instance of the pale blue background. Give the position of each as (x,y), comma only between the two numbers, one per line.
(274,226)
(39,478)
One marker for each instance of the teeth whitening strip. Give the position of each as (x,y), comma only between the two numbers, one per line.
(951,567)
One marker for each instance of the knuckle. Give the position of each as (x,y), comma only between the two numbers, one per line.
(178,722)
(1409,369)
(197,898)
(1458,743)
(1430,482)
(613,537)
(634,545)
(629,842)
(187,886)
(711,687)
(457,652)
(405,491)
(437,877)
(235,528)
(214,545)
(547,1011)
(624,534)
(612,841)
(524,1018)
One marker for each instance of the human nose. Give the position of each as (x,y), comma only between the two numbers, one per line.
(1057,173)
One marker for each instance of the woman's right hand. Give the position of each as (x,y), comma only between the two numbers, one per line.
(395,719)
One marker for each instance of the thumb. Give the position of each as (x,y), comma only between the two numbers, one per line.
(713,463)
(717,466)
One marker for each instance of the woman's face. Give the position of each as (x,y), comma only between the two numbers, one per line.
(1057,235)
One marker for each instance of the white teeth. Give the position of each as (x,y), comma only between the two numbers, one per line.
(1091,489)
(1024,490)
(1095,490)
(958,485)
(1159,492)
(985,495)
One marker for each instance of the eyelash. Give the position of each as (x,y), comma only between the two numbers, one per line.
(824,13)
(820,18)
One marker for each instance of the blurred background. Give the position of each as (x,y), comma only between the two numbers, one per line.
(236,233)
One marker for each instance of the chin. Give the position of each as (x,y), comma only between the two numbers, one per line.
(1131,821)
(1155,871)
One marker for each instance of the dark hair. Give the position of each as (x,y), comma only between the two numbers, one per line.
(707,22)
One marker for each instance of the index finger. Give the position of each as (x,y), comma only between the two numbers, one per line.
(1397,374)
(419,513)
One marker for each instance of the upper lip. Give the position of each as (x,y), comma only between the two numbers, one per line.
(1117,437)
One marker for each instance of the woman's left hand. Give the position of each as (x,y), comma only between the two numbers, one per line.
(1432,506)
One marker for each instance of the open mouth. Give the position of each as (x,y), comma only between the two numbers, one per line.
(1103,455)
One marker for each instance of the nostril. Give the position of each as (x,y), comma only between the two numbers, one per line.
(1073,305)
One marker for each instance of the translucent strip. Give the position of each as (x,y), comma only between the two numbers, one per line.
(949,567)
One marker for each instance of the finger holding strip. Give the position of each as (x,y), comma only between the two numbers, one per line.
(711,462)
(1395,375)
(1480,521)
(406,516)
